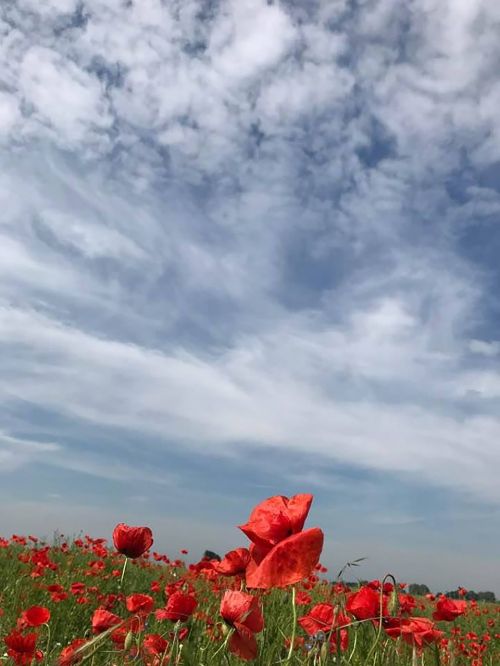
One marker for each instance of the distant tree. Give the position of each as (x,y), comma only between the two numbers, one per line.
(456,594)
(210,555)
(418,589)
(471,595)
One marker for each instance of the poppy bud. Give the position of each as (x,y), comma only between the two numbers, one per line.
(128,640)
(393,602)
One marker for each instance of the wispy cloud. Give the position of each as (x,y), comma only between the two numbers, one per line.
(15,452)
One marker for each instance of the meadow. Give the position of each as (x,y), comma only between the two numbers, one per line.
(269,602)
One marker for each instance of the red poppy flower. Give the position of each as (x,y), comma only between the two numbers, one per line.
(69,655)
(242,613)
(416,631)
(325,618)
(140,604)
(448,610)
(102,620)
(22,648)
(182,634)
(302,599)
(55,588)
(340,588)
(154,647)
(119,635)
(235,562)
(281,554)
(180,607)
(77,588)
(365,604)
(36,616)
(134,624)
(277,518)
(132,541)
(407,603)
(288,562)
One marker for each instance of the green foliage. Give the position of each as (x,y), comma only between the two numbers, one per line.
(22,587)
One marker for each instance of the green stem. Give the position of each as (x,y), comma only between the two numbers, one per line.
(381,614)
(123,573)
(47,645)
(294,628)
(174,642)
(224,644)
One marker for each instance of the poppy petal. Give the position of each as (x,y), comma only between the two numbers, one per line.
(290,561)
(234,562)
(235,606)
(320,618)
(243,643)
(298,509)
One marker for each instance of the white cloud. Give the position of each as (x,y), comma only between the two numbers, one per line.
(294,93)
(49,7)
(485,348)
(248,38)
(64,97)
(91,239)
(248,238)
(270,391)
(9,113)
(16,452)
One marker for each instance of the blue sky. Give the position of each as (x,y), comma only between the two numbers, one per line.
(250,248)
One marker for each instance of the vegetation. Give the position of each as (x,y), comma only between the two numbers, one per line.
(85,602)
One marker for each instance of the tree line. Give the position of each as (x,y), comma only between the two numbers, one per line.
(420,590)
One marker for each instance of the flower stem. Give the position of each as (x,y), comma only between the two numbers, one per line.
(123,573)
(294,627)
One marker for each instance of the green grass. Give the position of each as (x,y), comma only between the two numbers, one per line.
(70,618)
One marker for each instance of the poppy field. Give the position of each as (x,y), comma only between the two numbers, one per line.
(268,602)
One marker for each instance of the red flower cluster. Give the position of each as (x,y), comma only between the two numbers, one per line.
(416,631)
(144,628)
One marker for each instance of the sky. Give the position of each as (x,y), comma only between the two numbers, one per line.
(251,248)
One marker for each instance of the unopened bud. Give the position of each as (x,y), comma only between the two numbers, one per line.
(128,640)
(394,602)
